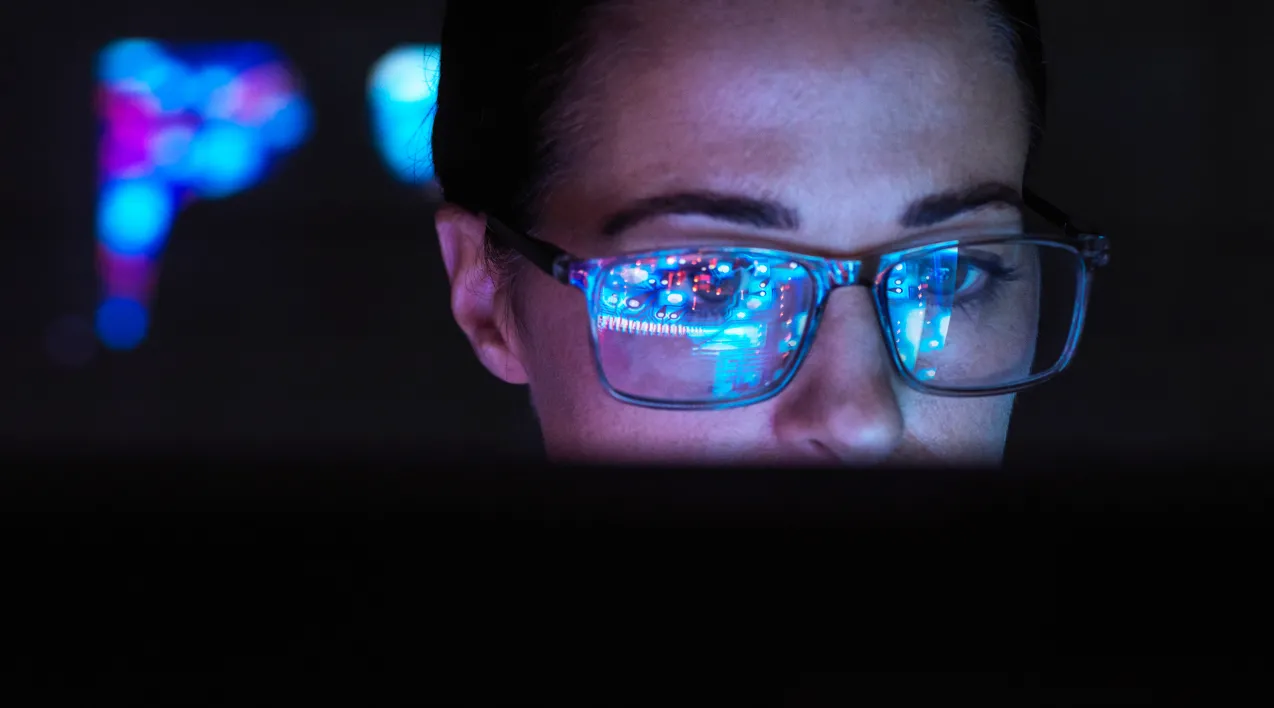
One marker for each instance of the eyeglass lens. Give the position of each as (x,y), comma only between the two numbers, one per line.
(729,326)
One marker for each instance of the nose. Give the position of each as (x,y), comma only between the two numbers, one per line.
(843,404)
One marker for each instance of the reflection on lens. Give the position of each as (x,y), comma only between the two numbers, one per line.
(703,327)
(982,316)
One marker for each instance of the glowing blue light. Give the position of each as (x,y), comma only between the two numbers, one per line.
(909,343)
(133,217)
(233,125)
(201,88)
(122,323)
(751,332)
(407,74)
(402,90)
(635,275)
(915,325)
(287,128)
(170,84)
(130,60)
(144,64)
(225,158)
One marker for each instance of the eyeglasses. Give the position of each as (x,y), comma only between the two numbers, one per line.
(966,313)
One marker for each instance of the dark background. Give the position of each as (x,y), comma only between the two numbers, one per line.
(312,310)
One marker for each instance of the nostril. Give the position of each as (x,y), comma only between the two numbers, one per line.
(824,452)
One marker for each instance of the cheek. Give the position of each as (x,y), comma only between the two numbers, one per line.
(552,341)
(957,427)
(576,414)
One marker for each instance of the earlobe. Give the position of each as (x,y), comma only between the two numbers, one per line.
(476,300)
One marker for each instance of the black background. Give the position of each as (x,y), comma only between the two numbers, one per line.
(312,310)
(309,314)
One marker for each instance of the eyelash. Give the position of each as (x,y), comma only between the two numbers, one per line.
(998,276)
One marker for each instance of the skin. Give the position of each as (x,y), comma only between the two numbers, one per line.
(845,111)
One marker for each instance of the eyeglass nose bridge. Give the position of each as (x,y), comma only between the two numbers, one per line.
(842,273)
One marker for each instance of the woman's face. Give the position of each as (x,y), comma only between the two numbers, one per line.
(848,115)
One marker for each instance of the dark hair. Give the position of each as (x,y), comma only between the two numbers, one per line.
(506,67)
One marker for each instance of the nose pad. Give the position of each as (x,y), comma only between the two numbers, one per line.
(844,398)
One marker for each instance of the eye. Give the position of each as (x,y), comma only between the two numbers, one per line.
(963,277)
(968,277)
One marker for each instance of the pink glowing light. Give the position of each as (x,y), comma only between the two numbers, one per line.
(129,118)
(126,276)
(260,93)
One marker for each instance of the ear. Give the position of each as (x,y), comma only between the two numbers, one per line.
(476,302)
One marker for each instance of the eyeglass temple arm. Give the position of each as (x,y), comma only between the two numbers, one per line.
(1054,215)
(541,254)
(1094,247)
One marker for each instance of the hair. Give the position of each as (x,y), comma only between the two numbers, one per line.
(506,105)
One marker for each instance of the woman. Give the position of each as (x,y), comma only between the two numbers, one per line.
(659,214)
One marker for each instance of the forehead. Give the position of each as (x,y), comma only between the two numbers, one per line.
(846,110)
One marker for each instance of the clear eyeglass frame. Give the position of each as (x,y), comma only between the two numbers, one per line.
(868,270)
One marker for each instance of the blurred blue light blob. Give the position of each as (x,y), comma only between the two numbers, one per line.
(288,127)
(245,55)
(170,85)
(134,216)
(200,87)
(225,158)
(122,323)
(402,90)
(142,64)
(169,145)
(235,56)
(407,74)
(404,146)
(129,59)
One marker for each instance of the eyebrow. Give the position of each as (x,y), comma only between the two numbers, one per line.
(927,211)
(734,209)
(945,206)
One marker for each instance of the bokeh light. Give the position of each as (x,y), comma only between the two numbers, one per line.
(402,91)
(122,323)
(179,122)
(225,158)
(134,215)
